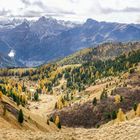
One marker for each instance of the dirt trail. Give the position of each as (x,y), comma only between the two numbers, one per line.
(45,106)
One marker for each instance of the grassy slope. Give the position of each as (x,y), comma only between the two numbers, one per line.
(127,130)
(83,113)
(101,52)
(31,121)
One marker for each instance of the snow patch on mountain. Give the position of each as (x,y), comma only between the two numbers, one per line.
(11,53)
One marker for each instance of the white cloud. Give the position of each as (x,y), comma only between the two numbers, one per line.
(79,10)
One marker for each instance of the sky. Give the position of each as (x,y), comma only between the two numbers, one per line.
(123,11)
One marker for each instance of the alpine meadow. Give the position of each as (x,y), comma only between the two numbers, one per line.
(70,70)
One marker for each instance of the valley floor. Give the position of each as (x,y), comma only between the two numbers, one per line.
(43,107)
(128,130)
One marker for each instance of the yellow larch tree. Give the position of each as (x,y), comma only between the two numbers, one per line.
(1,94)
(117,99)
(97,74)
(19,88)
(138,110)
(57,120)
(121,116)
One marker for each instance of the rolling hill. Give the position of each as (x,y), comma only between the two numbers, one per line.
(101,52)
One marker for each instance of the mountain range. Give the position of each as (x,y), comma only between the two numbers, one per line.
(35,42)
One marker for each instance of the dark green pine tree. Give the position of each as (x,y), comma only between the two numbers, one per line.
(59,125)
(114,115)
(135,106)
(36,96)
(94,102)
(51,119)
(20,116)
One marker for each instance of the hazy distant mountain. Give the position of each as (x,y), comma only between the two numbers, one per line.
(89,34)
(46,39)
(9,24)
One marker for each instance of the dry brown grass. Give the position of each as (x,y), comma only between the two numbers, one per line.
(128,130)
(31,121)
